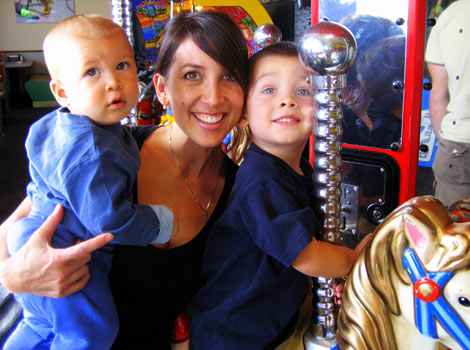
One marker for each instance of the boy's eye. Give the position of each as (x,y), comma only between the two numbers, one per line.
(303,92)
(122,66)
(268,91)
(191,75)
(92,72)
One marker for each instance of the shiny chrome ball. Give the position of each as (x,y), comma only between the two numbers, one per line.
(267,34)
(328,48)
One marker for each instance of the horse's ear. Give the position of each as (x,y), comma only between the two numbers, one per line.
(420,237)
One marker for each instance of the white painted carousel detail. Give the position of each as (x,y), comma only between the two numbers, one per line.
(410,288)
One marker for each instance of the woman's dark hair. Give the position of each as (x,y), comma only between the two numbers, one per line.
(215,34)
(283,48)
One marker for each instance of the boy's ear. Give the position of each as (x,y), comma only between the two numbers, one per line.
(160,89)
(59,92)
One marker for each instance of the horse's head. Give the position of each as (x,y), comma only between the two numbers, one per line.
(417,263)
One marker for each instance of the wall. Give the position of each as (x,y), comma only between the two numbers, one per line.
(29,36)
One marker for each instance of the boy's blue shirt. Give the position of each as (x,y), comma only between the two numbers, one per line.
(250,290)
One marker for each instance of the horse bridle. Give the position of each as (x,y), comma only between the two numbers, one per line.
(430,306)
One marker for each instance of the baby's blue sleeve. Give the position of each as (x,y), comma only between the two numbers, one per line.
(98,191)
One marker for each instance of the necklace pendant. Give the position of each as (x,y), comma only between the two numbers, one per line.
(183,175)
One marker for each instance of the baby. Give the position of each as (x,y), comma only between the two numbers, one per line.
(83,159)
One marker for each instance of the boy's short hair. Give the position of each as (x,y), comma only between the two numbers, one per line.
(282,48)
(89,26)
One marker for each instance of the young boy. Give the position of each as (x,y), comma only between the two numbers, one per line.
(261,251)
(82,158)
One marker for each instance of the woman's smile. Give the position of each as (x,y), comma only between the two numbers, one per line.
(209,118)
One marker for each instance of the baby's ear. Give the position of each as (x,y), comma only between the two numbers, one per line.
(59,92)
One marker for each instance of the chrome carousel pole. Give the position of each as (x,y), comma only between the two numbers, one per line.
(121,11)
(267,34)
(328,51)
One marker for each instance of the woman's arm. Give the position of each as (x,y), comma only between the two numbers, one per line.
(39,269)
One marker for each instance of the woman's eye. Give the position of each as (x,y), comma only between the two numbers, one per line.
(92,72)
(122,66)
(229,77)
(192,75)
(303,92)
(268,91)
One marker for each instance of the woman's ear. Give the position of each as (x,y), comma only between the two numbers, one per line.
(59,92)
(242,122)
(160,89)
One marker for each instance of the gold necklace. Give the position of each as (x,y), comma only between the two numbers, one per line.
(205,211)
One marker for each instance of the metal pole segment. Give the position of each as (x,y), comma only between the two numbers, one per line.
(328,51)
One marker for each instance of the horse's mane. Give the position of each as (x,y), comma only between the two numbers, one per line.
(369,297)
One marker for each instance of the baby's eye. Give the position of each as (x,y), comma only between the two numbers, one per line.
(229,77)
(191,75)
(303,92)
(122,66)
(92,72)
(268,91)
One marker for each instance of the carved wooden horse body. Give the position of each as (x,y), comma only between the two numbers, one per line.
(410,288)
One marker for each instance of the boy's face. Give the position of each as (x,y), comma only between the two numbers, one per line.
(279,106)
(98,78)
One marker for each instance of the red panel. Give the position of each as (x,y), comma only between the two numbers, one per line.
(407,157)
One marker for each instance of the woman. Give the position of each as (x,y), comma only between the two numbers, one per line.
(201,75)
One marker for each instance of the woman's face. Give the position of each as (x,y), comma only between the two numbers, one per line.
(206,100)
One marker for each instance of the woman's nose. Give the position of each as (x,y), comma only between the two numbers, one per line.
(212,93)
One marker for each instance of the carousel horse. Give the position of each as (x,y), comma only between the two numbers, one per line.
(410,288)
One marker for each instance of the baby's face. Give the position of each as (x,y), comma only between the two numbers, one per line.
(279,105)
(99,78)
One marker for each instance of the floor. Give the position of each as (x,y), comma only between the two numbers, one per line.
(14,173)
(13,163)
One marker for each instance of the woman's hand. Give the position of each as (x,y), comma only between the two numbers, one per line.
(39,269)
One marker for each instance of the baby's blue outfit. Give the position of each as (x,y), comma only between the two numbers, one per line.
(90,170)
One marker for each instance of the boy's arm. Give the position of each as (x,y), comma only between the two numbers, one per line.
(39,269)
(323,259)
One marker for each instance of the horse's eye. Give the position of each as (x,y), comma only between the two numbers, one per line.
(464,301)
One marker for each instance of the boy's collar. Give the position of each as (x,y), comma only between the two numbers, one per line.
(305,166)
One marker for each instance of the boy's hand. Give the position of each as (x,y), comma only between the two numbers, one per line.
(362,244)
(338,289)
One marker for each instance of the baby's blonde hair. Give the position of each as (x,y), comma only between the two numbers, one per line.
(87,26)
